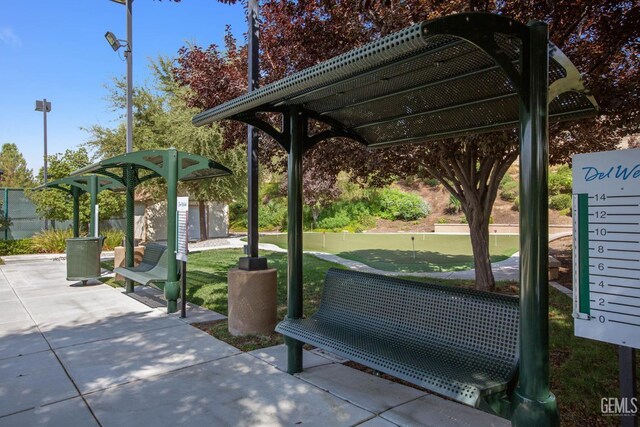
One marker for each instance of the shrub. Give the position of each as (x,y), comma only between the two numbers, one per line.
(560,202)
(454,206)
(273,214)
(509,188)
(51,241)
(395,204)
(560,180)
(354,216)
(442,220)
(16,247)
(432,182)
(112,238)
(516,204)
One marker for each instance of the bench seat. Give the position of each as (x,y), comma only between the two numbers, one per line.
(152,267)
(457,342)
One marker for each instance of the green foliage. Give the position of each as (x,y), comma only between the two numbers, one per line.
(560,180)
(112,238)
(350,215)
(560,202)
(273,214)
(16,247)
(14,167)
(442,220)
(397,205)
(454,206)
(509,188)
(58,205)
(162,119)
(432,182)
(51,241)
(516,204)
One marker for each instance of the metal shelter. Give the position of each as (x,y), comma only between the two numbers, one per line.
(457,75)
(172,165)
(76,186)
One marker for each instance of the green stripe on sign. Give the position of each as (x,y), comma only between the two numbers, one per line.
(583,252)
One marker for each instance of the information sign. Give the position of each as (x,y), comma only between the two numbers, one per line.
(606,249)
(182,229)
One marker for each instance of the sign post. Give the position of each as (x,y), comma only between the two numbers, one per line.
(182,248)
(606,259)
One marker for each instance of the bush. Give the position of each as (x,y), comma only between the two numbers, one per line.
(273,214)
(509,189)
(15,247)
(454,206)
(560,202)
(395,204)
(432,182)
(51,241)
(354,216)
(560,180)
(112,238)
(516,204)
(442,220)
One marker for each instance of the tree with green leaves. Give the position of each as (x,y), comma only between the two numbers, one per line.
(162,119)
(14,168)
(56,205)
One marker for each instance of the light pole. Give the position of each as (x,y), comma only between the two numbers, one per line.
(128,54)
(45,107)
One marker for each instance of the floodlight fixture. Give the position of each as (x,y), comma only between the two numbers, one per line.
(41,105)
(113,41)
(120,1)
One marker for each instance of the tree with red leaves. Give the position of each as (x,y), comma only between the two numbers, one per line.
(601,38)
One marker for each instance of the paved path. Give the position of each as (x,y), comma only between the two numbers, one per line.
(93,356)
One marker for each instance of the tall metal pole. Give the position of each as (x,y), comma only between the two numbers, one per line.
(129,55)
(252,135)
(252,261)
(44,114)
(172,286)
(93,197)
(533,403)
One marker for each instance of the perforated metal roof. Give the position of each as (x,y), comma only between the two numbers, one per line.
(419,84)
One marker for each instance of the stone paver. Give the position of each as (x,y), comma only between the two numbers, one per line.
(106,363)
(19,338)
(432,411)
(32,380)
(277,356)
(68,413)
(367,391)
(236,391)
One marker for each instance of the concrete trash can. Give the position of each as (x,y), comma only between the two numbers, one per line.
(83,258)
(252,301)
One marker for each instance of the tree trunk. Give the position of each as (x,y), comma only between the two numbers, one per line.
(479,233)
(202,214)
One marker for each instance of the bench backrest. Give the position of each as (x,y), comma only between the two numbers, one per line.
(480,322)
(153,253)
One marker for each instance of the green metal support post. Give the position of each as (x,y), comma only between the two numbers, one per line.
(533,403)
(93,194)
(75,193)
(129,174)
(172,286)
(294,233)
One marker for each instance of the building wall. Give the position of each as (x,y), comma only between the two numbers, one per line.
(151,221)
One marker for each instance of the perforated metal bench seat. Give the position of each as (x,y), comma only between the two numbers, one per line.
(460,343)
(152,267)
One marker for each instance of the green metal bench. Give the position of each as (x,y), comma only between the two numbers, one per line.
(152,267)
(459,343)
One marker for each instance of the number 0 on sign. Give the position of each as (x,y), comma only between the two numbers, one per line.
(606,246)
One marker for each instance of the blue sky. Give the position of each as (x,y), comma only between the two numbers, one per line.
(56,50)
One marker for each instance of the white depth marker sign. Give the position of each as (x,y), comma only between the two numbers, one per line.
(606,246)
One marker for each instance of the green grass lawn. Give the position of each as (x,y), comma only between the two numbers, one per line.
(395,252)
(582,371)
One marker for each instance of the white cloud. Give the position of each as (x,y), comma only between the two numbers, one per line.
(7,36)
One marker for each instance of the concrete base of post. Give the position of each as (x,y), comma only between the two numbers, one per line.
(119,257)
(252,301)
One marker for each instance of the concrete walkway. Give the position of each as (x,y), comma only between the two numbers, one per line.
(83,356)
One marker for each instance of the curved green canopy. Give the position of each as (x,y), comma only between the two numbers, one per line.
(83,183)
(150,164)
(448,77)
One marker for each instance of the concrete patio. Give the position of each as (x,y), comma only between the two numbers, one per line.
(82,356)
